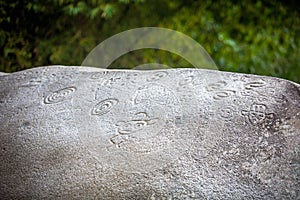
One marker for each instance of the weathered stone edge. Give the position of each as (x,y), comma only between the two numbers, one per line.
(94,69)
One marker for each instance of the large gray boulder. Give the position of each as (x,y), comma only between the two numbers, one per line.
(87,133)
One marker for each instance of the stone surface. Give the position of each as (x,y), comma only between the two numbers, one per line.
(87,133)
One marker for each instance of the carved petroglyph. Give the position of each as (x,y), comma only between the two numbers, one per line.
(132,126)
(157,76)
(131,78)
(185,89)
(34,81)
(271,94)
(29,74)
(228,113)
(186,81)
(104,106)
(137,124)
(106,79)
(109,82)
(257,113)
(223,94)
(99,75)
(87,133)
(128,128)
(255,84)
(31,78)
(219,90)
(59,95)
(253,88)
(117,140)
(216,86)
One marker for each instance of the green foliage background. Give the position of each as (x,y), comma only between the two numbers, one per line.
(260,37)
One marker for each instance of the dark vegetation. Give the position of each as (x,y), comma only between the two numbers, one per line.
(260,37)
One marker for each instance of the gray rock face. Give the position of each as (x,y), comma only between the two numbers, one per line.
(87,133)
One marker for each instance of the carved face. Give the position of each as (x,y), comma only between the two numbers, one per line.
(257,113)
(131,126)
(134,125)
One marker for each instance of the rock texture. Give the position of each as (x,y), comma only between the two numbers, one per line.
(87,133)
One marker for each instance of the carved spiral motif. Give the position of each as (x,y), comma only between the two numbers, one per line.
(104,106)
(59,96)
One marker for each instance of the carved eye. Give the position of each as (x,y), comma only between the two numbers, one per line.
(226,111)
(120,123)
(139,125)
(105,106)
(261,116)
(125,128)
(157,76)
(126,125)
(253,117)
(222,94)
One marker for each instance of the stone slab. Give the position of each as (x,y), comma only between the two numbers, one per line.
(87,133)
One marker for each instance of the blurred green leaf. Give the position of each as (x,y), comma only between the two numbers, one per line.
(257,36)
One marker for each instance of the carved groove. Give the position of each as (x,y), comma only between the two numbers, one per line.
(59,96)
(104,107)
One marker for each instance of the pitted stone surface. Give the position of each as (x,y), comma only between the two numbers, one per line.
(87,133)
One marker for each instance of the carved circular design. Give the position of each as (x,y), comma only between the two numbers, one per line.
(187,80)
(59,95)
(98,75)
(104,106)
(157,75)
(227,113)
